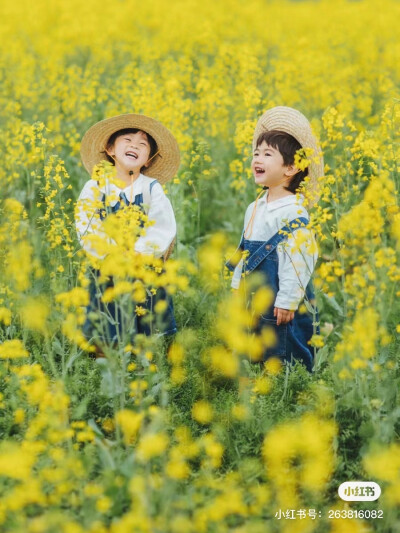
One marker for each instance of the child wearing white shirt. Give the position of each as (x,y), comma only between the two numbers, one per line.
(159,235)
(277,242)
(145,155)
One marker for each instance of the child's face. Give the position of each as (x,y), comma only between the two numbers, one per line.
(131,151)
(268,167)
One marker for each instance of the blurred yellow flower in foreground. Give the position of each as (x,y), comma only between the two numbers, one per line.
(308,440)
(152,445)
(384,464)
(202,412)
(130,423)
(13,349)
(34,313)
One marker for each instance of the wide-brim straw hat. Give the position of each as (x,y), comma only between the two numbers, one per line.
(164,165)
(291,121)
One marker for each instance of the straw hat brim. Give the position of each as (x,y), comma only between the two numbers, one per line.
(164,165)
(291,121)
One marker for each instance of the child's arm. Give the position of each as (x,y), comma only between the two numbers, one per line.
(296,261)
(162,232)
(238,269)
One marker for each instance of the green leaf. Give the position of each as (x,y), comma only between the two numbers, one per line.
(332,304)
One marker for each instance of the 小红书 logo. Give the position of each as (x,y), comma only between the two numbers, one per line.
(359,491)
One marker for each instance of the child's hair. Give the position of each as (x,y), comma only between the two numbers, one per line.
(287,146)
(126,131)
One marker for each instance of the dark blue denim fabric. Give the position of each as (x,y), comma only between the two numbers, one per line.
(114,323)
(112,327)
(292,338)
(106,210)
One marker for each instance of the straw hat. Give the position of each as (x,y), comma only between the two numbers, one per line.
(295,123)
(164,165)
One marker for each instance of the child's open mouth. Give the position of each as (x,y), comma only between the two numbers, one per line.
(131,154)
(259,170)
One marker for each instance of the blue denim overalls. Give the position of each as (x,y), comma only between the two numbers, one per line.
(292,338)
(114,327)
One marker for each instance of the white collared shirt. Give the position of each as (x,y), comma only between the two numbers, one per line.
(158,236)
(296,259)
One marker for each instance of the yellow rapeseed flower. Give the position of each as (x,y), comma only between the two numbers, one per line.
(130,423)
(103,504)
(273,366)
(224,361)
(16,461)
(177,469)
(5,316)
(240,412)
(152,445)
(384,464)
(34,313)
(19,416)
(13,349)
(202,412)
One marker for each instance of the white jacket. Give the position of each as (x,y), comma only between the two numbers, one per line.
(158,236)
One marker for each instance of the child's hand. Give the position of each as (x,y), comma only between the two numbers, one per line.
(283,316)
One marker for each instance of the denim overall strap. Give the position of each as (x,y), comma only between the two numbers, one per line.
(146,196)
(228,264)
(268,247)
(142,200)
(123,198)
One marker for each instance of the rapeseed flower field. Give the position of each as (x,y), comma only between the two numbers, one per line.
(191,436)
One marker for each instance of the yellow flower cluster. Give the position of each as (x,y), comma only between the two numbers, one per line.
(13,349)
(361,341)
(384,464)
(309,440)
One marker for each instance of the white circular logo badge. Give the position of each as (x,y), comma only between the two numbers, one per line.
(359,491)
